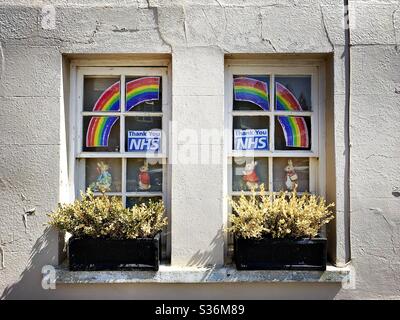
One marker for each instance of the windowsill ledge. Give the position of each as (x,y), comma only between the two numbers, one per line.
(229,274)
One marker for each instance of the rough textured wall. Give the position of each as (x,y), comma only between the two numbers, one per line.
(196,186)
(30,95)
(375,148)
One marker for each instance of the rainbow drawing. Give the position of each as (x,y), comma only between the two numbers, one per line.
(285,100)
(141,90)
(295,131)
(251,90)
(109,99)
(99,130)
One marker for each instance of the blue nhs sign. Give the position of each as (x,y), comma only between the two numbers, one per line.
(251,139)
(144,141)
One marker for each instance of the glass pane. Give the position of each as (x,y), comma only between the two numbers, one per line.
(292,133)
(250,92)
(101,94)
(132,201)
(138,137)
(104,174)
(293,93)
(144,94)
(249,173)
(100,134)
(244,138)
(289,172)
(144,175)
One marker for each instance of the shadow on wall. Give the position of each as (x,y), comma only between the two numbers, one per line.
(44,252)
(206,258)
(29,284)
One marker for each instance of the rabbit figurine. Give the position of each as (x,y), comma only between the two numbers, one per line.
(250,176)
(104,179)
(144,177)
(291,176)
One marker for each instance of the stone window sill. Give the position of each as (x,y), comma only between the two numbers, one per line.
(228,274)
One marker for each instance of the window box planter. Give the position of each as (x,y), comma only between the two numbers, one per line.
(89,254)
(280,254)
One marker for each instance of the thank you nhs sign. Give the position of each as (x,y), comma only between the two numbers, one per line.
(251,139)
(144,141)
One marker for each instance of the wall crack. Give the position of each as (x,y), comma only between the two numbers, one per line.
(219,3)
(395,27)
(2,61)
(264,39)
(3,264)
(96,29)
(159,31)
(326,28)
(184,24)
(123,29)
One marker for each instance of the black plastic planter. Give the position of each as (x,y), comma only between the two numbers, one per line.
(110,254)
(280,254)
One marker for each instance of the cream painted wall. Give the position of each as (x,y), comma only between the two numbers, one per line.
(198,35)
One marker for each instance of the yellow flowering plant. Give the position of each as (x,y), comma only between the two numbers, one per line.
(282,215)
(106,217)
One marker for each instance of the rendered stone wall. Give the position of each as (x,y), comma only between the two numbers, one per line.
(375,149)
(198,35)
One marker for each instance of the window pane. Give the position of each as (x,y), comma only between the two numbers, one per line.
(250,92)
(132,201)
(292,133)
(246,139)
(289,172)
(104,174)
(144,175)
(293,93)
(144,94)
(138,137)
(248,173)
(100,134)
(101,94)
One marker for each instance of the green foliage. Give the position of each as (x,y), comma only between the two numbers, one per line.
(283,215)
(106,217)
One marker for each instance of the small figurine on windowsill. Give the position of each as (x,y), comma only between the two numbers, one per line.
(291,176)
(104,180)
(144,177)
(250,176)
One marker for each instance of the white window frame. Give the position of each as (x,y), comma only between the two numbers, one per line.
(123,155)
(281,67)
(77,157)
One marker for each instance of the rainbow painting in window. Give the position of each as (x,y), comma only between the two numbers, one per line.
(142,90)
(109,99)
(98,131)
(285,100)
(295,131)
(251,90)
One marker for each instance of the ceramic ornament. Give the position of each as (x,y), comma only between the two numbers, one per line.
(250,176)
(144,177)
(291,176)
(104,179)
